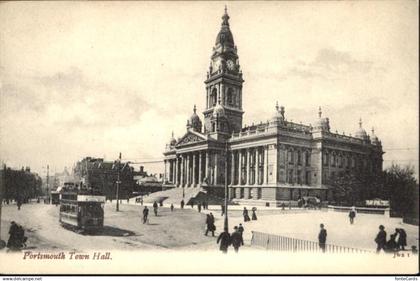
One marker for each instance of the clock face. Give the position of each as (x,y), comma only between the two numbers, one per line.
(230,64)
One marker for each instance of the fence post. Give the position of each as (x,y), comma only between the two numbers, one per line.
(252,238)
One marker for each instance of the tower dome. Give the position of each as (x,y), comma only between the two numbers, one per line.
(361,133)
(374,138)
(172,142)
(225,37)
(195,121)
(219,111)
(278,114)
(323,123)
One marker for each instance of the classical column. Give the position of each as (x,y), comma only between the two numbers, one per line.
(207,174)
(216,167)
(239,167)
(248,157)
(232,167)
(164,174)
(193,169)
(182,171)
(199,168)
(266,164)
(187,164)
(175,178)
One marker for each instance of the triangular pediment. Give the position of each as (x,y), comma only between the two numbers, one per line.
(191,137)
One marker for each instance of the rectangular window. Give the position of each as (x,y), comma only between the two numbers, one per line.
(308,159)
(241,193)
(290,157)
(290,180)
(299,177)
(259,193)
(308,178)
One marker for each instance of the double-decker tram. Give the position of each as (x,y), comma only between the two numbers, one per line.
(82,210)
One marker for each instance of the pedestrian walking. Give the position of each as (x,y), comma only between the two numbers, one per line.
(352,214)
(210,224)
(141,201)
(322,237)
(199,207)
(254,214)
(380,239)
(224,239)
(402,238)
(182,204)
(237,240)
(245,214)
(19,203)
(145,214)
(155,208)
(172,207)
(241,229)
(161,203)
(222,206)
(192,204)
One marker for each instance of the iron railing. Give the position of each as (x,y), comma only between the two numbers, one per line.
(282,243)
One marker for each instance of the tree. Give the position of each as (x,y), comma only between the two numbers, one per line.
(347,188)
(400,186)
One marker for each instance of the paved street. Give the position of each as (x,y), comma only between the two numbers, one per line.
(184,229)
(123,230)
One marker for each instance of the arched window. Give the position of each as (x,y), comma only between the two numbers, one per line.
(299,157)
(229,98)
(213,97)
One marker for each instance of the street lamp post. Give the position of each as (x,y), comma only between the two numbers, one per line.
(118,183)
(226,226)
(2,189)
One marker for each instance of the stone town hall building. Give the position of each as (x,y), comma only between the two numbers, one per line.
(275,161)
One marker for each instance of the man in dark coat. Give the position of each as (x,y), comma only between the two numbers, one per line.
(322,237)
(182,204)
(145,214)
(245,214)
(223,209)
(199,207)
(391,245)
(241,229)
(224,239)
(352,215)
(236,239)
(172,207)
(380,239)
(254,214)
(155,208)
(12,243)
(210,224)
(402,238)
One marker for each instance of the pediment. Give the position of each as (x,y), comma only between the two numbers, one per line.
(191,137)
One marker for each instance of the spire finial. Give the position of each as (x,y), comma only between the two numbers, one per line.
(195,108)
(225,18)
(360,123)
(277,105)
(373,131)
(172,134)
(319,112)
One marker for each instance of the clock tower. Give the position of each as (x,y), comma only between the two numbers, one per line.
(223,112)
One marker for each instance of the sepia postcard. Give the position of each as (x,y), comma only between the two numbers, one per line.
(209,137)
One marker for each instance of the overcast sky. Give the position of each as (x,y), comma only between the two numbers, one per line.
(99,78)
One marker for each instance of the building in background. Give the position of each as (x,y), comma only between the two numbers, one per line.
(102,176)
(271,161)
